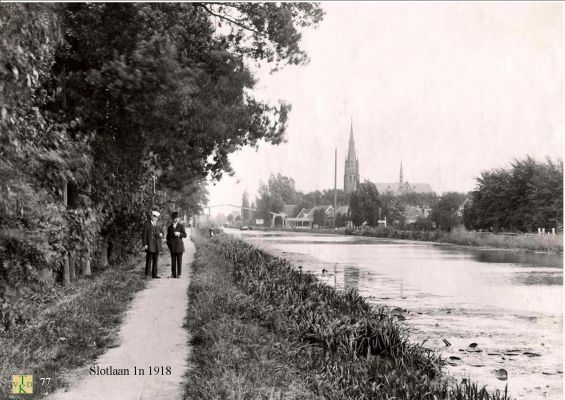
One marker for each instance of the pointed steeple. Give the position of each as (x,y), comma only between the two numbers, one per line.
(351,173)
(401,174)
(351,156)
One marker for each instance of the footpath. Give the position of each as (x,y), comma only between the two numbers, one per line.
(153,345)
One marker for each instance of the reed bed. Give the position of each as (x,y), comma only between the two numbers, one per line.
(344,348)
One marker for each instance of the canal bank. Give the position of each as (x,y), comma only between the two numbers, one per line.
(261,327)
(507,303)
(545,243)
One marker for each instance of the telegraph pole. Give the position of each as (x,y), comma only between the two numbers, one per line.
(335,187)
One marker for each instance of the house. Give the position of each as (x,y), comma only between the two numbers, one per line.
(305,218)
(412,213)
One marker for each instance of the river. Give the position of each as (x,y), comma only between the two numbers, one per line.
(495,309)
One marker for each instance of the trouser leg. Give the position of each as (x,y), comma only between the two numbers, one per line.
(173,265)
(155,266)
(148,260)
(179,264)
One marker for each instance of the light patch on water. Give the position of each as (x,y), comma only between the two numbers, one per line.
(509,304)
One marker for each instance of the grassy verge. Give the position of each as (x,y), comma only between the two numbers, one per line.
(544,243)
(261,329)
(69,332)
(460,236)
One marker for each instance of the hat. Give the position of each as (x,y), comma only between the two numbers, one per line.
(174,215)
(155,214)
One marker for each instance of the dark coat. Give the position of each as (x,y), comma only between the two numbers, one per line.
(151,237)
(175,243)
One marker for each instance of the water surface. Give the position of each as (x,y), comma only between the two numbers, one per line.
(509,304)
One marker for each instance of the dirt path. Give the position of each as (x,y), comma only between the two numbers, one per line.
(152,338)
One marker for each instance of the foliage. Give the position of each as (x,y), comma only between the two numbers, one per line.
(340,220)
(447,212)
(521,198)
(365,204)
(319,217)
(347,348)
(272,196)
(121,107)
(245,214)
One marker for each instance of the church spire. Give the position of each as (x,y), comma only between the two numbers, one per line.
(401,174)
(351,173)
(351,157)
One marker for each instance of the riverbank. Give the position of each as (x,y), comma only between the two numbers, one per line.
(74,327)
(459,236)
(262,328)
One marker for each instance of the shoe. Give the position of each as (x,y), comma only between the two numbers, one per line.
(157,277)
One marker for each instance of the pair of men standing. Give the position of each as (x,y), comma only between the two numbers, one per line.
(152,238)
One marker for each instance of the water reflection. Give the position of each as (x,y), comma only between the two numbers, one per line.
(513,257)
(351,277)
(506,301)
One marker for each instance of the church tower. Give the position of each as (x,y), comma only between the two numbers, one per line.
(351,170)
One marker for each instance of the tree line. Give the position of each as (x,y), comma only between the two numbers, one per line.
(522,198)
(109,109)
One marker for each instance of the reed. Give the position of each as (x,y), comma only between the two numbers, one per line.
(344,348)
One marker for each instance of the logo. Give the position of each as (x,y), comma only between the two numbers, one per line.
(22,384)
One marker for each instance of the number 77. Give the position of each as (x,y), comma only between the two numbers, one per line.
(45,379)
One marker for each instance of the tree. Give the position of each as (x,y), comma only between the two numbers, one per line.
(523,197)
(340,220)
(274,195)
(319,218)
(168,95)
(365,204)
(230,219)
(245,206)
(448,210)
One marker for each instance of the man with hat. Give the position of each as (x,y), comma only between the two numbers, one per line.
(152,237)
(175,234)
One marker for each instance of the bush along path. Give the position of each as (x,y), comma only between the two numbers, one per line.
(263,329)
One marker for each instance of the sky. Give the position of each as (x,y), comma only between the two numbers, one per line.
(449,89)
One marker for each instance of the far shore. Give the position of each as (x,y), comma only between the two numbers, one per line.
(547,243)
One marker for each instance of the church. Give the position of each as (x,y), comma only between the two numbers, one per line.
(351,177)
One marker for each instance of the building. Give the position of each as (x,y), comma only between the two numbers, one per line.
(402,187)
(351,177)
(305,218)
(351,170)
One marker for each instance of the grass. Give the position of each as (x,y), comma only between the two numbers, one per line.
(76,327)
(461,236)
(264,330)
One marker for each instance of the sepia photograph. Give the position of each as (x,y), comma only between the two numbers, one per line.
(342,200)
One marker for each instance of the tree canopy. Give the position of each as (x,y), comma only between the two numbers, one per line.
(108,109)
(524,197)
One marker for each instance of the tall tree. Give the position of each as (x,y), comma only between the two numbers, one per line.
(245,206)
(448,211)
(365,204)
(524,197)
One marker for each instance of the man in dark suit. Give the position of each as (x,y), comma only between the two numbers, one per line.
(152,237)
(175,234)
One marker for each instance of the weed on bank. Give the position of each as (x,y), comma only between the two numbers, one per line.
(70,331)
(263,329)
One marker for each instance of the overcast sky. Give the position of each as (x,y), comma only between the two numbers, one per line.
(449,89)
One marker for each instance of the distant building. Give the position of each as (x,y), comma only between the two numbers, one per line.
(351,170)
(413,213)
(305,218)
(351,177)
(402,187)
